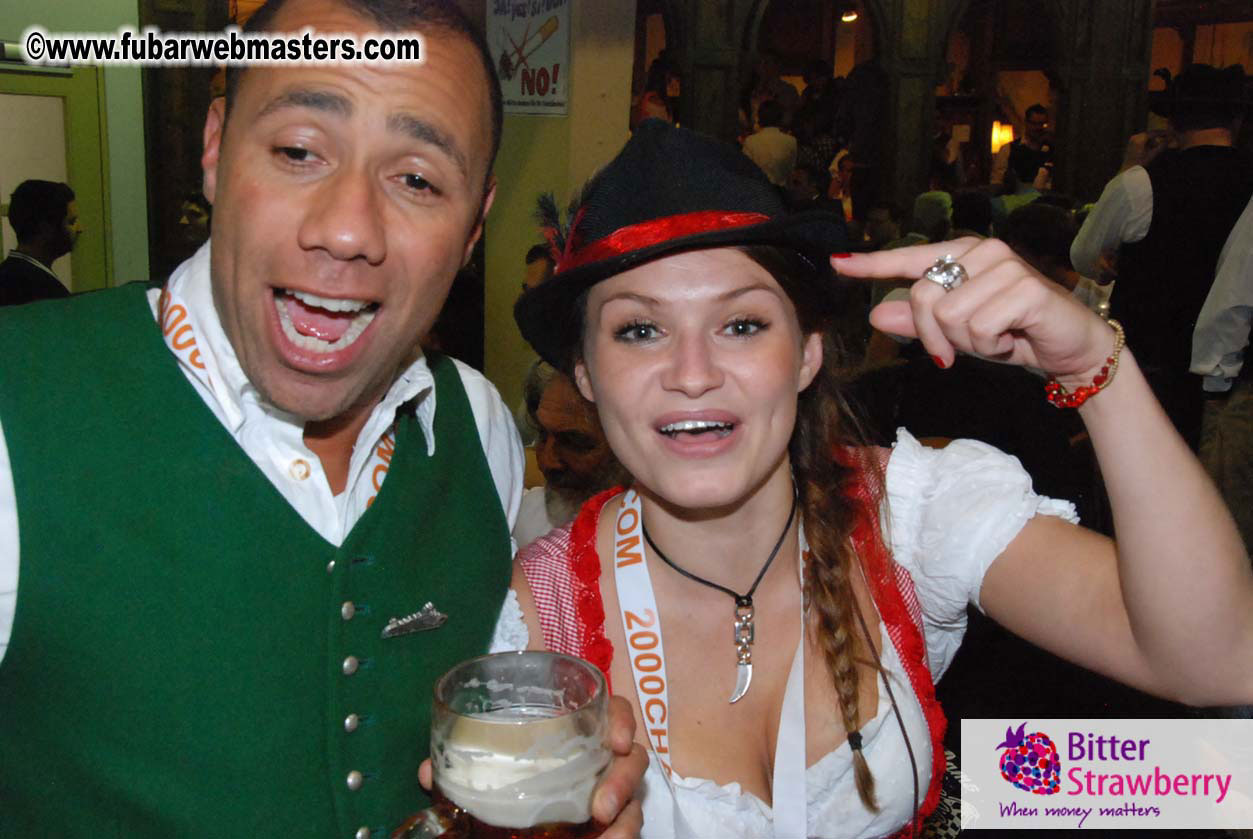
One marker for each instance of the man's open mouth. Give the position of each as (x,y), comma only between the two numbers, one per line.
(322,324)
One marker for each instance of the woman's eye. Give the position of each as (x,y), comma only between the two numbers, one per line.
(636,331)
(743,327)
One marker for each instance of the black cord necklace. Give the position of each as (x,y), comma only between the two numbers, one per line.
(744,632)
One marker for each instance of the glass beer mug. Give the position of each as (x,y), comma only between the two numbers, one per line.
(517,746)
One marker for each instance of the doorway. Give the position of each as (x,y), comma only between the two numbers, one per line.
(51,128)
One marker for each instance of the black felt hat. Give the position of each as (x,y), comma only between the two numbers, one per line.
(1201,86)
(668,190)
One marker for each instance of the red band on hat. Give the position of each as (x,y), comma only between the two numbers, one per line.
(654,232)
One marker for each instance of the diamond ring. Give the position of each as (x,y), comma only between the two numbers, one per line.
(947,272)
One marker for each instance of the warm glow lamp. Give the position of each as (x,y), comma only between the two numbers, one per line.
(849,16)
(1001,135)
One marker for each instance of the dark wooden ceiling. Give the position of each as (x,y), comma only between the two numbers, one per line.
(1201,12)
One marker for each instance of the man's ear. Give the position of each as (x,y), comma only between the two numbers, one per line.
(583,382)
(214,128)
(811,360)
(488,197)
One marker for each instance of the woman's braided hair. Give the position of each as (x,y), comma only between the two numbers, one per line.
(826,425)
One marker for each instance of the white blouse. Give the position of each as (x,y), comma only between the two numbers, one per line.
(949,513)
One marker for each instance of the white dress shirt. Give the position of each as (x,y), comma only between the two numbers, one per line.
(1123,214)
(774,152)
(274,440)
(1221,337)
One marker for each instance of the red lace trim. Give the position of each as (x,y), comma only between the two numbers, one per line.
(891,586)
(589,604)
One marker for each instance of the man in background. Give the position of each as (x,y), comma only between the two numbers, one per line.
(1220,354)
(770,147)
(770,85)
(570,450)
(44,216)
(1026,157)
(1160,225)
(539,263)
(539,266)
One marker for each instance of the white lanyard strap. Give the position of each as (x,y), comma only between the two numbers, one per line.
(179,331)
(641,624)
(789,790)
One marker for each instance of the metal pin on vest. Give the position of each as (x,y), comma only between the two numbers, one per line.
(428,617)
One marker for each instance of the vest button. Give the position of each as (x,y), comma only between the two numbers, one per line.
(362,833)
(330,567)
(355,780)
(299,469)
(350,665)
(347,610)
(351,722)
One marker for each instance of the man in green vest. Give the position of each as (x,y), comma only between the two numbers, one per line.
(244,523)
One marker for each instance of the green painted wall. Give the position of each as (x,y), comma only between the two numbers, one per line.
(533,158)
(124,118)
(553,154)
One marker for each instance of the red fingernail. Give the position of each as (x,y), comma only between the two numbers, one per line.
(939,362)
(840,255)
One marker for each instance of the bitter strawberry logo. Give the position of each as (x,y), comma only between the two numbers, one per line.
(1030,762)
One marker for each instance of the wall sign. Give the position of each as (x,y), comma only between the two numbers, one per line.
(530,42)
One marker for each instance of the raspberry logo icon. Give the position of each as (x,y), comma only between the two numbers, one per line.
(1030,762)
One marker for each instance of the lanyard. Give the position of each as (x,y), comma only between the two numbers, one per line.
(178,328)
(179,331)
(641,624)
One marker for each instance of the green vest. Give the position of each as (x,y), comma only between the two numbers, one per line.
(188,656)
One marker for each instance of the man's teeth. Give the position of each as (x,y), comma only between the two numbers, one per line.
(331,304)
(697,427)
(309,342)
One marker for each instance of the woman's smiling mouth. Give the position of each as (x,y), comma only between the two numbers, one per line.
(697,428)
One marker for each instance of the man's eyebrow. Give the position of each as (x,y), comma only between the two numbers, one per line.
(318,100)
(425,132)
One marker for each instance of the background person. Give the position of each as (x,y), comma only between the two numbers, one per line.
(539,266)
(1220,354)
(772,149)
(1026,157)
(570,451)
(44,216)
(1161,226)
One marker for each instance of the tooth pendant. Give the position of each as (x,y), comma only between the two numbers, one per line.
(744,632)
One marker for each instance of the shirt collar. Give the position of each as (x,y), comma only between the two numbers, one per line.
(239,398)
(25,257)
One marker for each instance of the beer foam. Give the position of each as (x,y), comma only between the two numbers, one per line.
(520,790)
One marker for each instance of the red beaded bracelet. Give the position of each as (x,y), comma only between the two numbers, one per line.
(1057,394)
